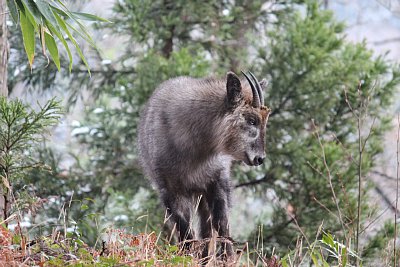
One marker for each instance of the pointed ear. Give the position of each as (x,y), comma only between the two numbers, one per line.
(264,83)
(233,89)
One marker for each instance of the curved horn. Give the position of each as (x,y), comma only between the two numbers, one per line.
(259,89)
(256,97)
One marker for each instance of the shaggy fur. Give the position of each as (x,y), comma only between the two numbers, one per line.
(190,132)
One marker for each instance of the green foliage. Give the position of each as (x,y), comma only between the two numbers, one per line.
(220,27)
(323,252)
(315,78)
(20,130)
(383,239)
(312,132)
(321,87)
(49,19)
(28,34)
(121,249)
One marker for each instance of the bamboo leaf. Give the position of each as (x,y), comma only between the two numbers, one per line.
(344,256)
(34,14)
(63,25)
(48,18)
(59,11)
(328,240)
(89,17)
(28,35)
(62,39)
(52,47)
(84,34)
(28,14)
(46,12)
(12,6)
(314,259)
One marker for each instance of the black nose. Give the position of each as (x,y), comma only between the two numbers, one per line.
(258,160)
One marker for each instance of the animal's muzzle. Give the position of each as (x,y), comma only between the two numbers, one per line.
(258,160)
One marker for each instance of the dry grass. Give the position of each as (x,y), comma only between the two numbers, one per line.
(119,248)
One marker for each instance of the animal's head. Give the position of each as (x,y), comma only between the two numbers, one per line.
(247,118)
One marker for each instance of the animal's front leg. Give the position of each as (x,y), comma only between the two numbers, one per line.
(205,227)
(179,214)
(205,218)
(219,199)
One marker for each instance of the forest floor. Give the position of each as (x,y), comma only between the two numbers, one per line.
(121,249)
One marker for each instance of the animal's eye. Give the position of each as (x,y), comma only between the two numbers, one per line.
(251,121)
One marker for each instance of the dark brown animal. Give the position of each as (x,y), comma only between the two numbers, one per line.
(190,132)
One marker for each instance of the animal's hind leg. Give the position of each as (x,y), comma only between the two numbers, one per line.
(178,212)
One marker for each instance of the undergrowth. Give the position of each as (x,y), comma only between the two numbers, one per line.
(120,248)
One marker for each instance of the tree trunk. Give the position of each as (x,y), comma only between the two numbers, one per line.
(326,4)
(3,49)
(168,46)
(3,92)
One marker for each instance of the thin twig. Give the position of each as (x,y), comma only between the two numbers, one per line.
(328,172)
(265,179)
(375,219)
(359,174)
(384,175)
(248,256)
(369,134)
(385,41)
(325,207)
(301,230)
(345,150)
(391,204)
(360,159)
